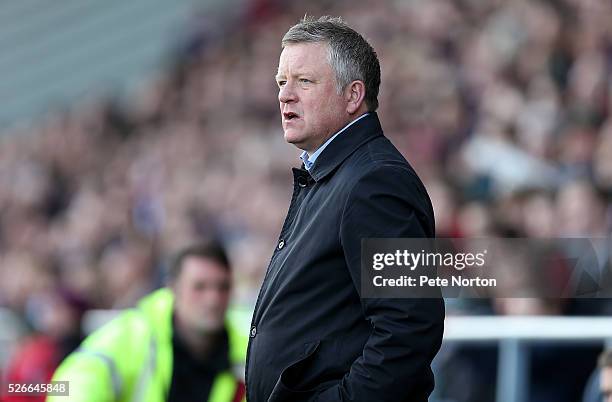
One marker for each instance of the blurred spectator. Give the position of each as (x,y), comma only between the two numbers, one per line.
(181,343)
(599,387)
(56,318)
(605,365)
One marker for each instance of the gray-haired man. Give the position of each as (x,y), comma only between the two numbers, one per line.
(313,338)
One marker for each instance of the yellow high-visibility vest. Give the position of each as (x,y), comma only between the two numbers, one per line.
(130,359)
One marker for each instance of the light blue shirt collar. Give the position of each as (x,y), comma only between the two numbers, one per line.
(310,160)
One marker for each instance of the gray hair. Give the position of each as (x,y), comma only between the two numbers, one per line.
(349,54)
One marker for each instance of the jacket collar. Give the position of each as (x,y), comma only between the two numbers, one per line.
(345,144)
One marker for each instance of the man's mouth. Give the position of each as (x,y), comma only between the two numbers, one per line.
(290,115)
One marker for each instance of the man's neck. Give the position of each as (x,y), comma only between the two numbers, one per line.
(339,129)
(326,138)
(199,343)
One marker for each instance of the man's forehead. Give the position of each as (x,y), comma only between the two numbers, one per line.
(198,266)
(302,56)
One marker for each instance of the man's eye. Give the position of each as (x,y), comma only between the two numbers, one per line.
(305,80)
(281,83)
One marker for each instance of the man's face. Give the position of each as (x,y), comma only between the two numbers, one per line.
(606,384)
(202,292)
(311,109)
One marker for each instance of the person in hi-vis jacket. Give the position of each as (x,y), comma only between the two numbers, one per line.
(181,343)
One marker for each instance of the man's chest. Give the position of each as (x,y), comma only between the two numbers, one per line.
(308,252)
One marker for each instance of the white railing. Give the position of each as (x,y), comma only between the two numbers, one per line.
(527,328)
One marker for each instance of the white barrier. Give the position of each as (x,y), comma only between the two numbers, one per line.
(527,328)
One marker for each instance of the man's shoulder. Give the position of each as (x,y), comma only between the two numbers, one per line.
(377,157)
(378,170)
(128,328)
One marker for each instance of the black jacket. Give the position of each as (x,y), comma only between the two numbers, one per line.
(312,337)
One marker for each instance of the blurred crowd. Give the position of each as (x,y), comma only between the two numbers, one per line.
(504,108)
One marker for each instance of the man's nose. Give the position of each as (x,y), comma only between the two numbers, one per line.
(286,94)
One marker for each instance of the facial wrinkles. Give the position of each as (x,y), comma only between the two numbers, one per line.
(316,102)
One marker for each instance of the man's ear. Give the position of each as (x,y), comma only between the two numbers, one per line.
(355,95)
